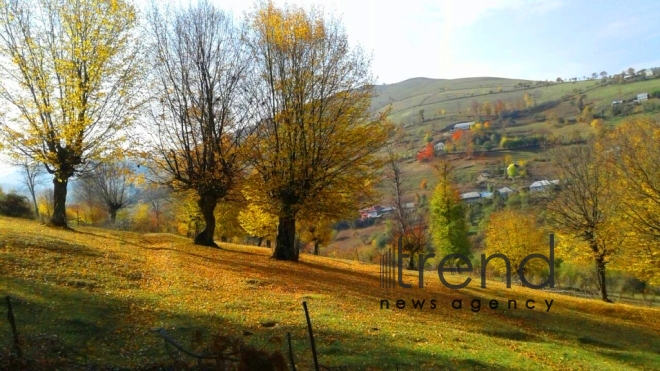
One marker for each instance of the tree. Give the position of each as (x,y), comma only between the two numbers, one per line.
(159,198)
(594,75)
(636,156)
(14,205)
(316,232)
(420,115)
(529,100)
(512,171)
(585,209)
(447,215)
(603,74)
(631,71)
(259,223)
(200,114)
(316,141)
(85,194)
(70,71)
(559,79)
(426,154)
(31,173)
(515,234)
(110,183)
(411,224)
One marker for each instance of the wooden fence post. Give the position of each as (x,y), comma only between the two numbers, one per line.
(12,322)
(311,337)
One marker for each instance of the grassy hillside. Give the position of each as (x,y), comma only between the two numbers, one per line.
(91,296)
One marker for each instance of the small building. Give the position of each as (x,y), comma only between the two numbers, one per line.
(409,205)
(439,147)
(649,73)
(462,126)
(615,102)
(470,197)
(505,191)
(485,194)
(542,185)
(642,97)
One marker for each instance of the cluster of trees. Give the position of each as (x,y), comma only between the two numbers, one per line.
(268,115)
(605,211)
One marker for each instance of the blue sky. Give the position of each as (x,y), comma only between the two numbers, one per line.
(529,39)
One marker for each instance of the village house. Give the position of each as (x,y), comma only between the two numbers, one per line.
(641,97)
(470,197)
(376,211)
(505,191)
(462,126)
(542,185)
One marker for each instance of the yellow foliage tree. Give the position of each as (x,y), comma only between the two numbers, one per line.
(515,234)
(635,153)
(258,222)
(317,232)
(72,67)
(317,141)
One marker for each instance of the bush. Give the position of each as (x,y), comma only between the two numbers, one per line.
(15,205)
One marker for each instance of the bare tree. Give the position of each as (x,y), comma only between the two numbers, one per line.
(411,222)
(199,115)
(85,194)
(110,183)
(158,198)
(31,177)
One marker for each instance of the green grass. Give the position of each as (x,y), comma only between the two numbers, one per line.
(100,292)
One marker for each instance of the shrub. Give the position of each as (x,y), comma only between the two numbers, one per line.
(15,205)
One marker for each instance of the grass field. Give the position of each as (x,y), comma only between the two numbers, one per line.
(100,292)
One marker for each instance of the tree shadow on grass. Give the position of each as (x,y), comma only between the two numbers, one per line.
(105,332)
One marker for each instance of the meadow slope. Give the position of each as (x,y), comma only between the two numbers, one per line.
(100,292)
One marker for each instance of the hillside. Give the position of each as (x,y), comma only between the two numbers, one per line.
(91,296)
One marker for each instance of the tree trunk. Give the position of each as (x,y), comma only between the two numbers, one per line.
(260,240)
(113,214)
(34,201)
(316,247)
(600,265)
(411,262)
(268,244)
(205,237)
(59,195)
(285,248)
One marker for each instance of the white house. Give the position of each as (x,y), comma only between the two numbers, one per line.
(649,73)
(615,102)
(642,97)
(439,147)
(470,197)
(463,126)
(542,184)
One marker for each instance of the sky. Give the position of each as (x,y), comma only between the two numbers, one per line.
(526,39)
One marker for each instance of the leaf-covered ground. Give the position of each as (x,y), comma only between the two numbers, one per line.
(93,295)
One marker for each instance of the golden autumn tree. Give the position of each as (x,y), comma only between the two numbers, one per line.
(199,112)
(318,232)
(585,210)
(69,70)
(316,142)
(258,223)
(635,150)
(515,234)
